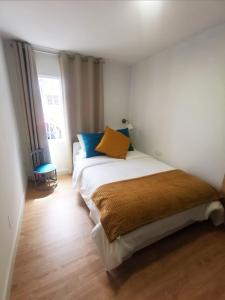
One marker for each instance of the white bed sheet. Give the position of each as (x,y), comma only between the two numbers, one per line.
(93,172)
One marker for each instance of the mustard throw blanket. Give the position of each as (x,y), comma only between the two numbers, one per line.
(129,204)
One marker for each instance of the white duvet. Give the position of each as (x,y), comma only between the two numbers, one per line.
(93,172)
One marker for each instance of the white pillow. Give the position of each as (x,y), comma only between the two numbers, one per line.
(80,139)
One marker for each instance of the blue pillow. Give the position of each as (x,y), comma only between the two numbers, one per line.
(125,131)
(90,142)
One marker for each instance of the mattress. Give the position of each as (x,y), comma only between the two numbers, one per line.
(93,172)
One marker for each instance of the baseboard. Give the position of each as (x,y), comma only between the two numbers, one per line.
(6,295)
(63,172)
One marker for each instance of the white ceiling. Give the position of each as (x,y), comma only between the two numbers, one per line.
(126,31)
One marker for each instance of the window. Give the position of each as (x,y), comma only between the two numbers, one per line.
(51,96)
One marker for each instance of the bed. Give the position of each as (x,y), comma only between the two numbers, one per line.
(91,173)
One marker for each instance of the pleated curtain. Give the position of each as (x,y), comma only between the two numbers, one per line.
(82,79)
(31,98)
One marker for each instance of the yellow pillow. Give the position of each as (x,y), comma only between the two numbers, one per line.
(113,143)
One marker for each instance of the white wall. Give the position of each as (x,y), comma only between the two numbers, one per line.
(177,105)
(116,93)
(12,177)
(47,64)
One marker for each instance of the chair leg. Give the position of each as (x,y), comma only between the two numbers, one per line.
(45,178)
(48,181)
(35,180)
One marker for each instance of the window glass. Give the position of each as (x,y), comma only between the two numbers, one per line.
(51,96)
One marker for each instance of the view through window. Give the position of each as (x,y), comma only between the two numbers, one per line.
(51,96)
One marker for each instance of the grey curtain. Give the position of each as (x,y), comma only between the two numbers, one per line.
(30,92)
(82,79)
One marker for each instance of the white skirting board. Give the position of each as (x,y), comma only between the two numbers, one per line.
(6,294)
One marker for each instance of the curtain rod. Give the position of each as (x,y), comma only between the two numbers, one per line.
(57,52)
(38,49)
(53,52)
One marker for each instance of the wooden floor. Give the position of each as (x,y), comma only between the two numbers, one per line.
(57,259)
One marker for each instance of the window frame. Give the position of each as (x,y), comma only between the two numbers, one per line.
(63,139)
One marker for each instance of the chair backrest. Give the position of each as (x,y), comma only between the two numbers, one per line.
(37,157)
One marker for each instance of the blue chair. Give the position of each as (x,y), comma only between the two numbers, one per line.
(43,172)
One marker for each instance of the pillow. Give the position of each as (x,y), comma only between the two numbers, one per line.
(88,142)
(125,131)
(114,144)
(80,140)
